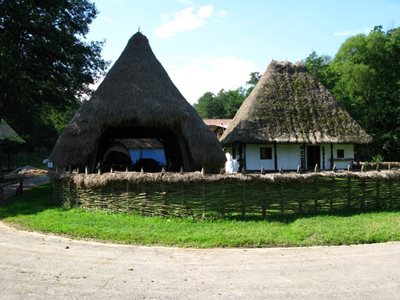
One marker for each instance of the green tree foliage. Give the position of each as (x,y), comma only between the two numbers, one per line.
(252,82)
(225,104)
(45,63)
(320,67)
(364,76)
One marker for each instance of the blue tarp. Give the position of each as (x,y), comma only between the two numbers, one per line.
(156,154)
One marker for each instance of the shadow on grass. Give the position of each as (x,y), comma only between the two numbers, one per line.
(290,218)
(30,202)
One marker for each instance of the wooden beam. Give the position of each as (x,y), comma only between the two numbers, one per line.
(244,156)
(303,156)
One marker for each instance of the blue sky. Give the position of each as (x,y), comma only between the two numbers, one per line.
(210,45)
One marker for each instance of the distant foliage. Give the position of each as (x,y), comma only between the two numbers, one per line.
(225,104)
(364,76)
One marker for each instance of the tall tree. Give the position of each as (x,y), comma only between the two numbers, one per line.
(225,104)
(364,76)
(320,67)
(210,107)
(252,82)
(46,61)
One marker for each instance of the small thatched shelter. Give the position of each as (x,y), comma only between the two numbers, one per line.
(290,119)
(137,99)
(9,140)
(7,134)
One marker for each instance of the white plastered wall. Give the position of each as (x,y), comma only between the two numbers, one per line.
(253,161)
(340,163)
(289,156)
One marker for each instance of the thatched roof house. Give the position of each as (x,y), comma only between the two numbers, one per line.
(137,99)
(7,134)
(288,107)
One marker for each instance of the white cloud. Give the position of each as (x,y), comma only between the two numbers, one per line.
(186,19)
(221,13)
(195,76)
(352,32)
(106,19)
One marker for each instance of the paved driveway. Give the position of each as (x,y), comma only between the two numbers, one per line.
(41,266)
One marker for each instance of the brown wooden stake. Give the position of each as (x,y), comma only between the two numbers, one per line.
(362,194)
(348,192)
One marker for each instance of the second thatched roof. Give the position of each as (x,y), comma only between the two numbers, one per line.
(288,105)
(9,134)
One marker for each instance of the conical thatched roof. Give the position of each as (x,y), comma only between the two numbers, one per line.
(9,134)
(136,92)
(289,106)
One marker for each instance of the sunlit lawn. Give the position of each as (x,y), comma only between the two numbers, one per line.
(35,211)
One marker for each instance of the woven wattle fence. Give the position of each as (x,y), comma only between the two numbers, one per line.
(198,195)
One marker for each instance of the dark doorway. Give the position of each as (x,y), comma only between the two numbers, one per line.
(176,152)
(313,157)
(119,161)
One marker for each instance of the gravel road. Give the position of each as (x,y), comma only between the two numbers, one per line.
(38,266)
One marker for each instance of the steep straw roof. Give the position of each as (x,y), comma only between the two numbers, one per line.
(137,91)
(9,134)
(289,106)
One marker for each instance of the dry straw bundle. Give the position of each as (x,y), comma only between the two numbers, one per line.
(96,180)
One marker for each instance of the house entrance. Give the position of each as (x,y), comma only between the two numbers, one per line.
(313,157)
(110,153)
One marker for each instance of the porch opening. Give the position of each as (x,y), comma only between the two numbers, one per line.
(136,148)
(313,157)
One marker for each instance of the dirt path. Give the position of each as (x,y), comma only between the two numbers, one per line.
(42,266)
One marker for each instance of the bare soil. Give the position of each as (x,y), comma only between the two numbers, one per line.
(38,266)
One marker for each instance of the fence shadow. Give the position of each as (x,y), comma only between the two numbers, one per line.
(30,202)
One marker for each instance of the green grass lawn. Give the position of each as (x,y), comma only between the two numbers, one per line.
(35,211)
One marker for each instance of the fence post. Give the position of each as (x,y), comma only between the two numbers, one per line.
(243,206)
(264,203)
(183,198)
(164,199)
(222,202)
(348,192)
(378,194)
(331,194)
(362,194)
(281,199)
(316,202)
(143,199)
(390,196)
(300,201)
(204,199)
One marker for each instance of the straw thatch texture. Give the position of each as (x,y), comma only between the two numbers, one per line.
(289,106)
(197,195)
(9,134)
(141,143)
(99,180)
(137,92)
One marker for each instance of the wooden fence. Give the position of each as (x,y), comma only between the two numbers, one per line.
(198,195)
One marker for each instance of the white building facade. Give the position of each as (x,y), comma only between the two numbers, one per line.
(274,156)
